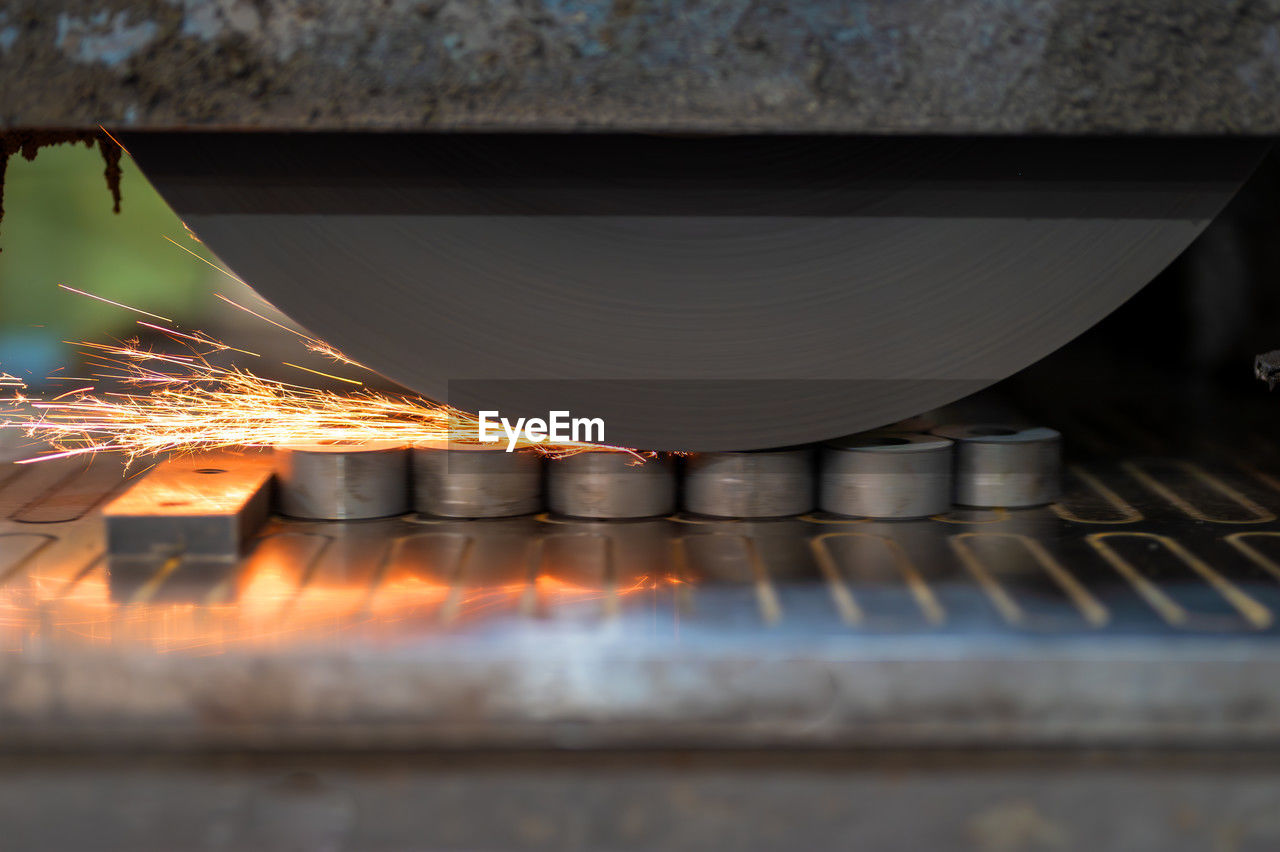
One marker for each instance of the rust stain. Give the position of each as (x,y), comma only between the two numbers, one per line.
(29,142)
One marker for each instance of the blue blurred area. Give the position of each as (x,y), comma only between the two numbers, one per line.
(30,353)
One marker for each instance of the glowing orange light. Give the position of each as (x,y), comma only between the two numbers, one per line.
(273,600)
(187,403)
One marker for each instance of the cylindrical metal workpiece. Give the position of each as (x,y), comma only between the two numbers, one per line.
(1005,466)
(476,481)
(611,485)
(886,475)
(343,480)
(756,484)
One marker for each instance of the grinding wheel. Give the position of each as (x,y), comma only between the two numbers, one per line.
(696,293)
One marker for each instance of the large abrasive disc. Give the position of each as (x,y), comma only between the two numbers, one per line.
(696,293)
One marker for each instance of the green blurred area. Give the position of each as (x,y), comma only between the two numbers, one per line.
(59,228)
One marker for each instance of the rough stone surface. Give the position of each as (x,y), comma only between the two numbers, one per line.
(894,66)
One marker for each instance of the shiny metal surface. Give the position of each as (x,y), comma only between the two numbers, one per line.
(338,481)
(611,485)
(886,475)
(760,484)
(468,482)
(1141,608)
(696,293)
(196,506)
(1004,465)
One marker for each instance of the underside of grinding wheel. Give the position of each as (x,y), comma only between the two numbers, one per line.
(695,293)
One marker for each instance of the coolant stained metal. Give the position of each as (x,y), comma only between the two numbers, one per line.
(759,484)
(1004,465)
(343,481)
(611,485)
(470,481)
(886,475)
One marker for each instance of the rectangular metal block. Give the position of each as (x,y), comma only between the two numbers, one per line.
(194,506)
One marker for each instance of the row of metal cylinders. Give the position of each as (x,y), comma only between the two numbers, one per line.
(883,474)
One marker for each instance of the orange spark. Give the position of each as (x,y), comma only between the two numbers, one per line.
(183,403)
(204,260)
(186,404)
(321,348)
(319,373)
(71,289)
(114,139)
(254,313)
(197,338)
